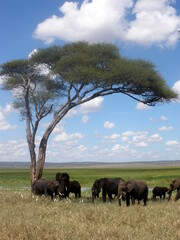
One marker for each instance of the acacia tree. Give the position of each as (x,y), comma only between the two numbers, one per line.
(75,73)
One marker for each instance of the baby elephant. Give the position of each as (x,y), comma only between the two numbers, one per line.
(75,187)
(159,192)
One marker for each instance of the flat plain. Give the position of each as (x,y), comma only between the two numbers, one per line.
(23,216)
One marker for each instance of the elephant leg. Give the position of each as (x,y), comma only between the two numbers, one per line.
(177,195)
(45,192)
(127,200)
(133,200)
(145,201)
(104,195)
(52,196)
(110,197)
(119,202)
(170,194)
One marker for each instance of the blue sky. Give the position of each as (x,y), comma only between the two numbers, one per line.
(110,129)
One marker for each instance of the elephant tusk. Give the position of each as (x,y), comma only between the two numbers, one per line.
(61,194)
(120,197)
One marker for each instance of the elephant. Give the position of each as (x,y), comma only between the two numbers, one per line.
(46,187)
(65,178)
(159,191)
(175,184)
(109,186)
(75,187)
(96,189)
(134,189)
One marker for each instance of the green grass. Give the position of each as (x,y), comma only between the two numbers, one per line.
(16,179)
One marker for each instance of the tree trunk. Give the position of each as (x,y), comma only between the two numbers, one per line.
(41,158)
(33,161)
(43,143)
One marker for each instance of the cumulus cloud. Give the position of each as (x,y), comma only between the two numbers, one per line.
(109,125)
(143,22)
(163,118)
(140,139)
(112,137)
(142,106)
(155,138)
(64,137)
(155,22)
(176,88)
(142,144)
(14,150)
(4,125)
(164,128)
(172,143)
(94,105)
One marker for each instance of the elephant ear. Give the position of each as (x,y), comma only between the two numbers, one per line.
(129,187)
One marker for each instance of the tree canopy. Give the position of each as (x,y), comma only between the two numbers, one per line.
(58,78)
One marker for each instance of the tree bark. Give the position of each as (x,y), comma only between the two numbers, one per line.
(41,158)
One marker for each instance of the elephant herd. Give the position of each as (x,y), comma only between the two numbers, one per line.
(131,190)
(61,187)
(126,190)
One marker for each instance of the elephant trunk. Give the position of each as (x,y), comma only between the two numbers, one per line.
(93,198)
(169,192)
(120,196)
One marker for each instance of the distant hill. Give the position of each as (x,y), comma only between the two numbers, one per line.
(92,164)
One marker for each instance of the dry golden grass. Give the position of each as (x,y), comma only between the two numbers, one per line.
(24,217)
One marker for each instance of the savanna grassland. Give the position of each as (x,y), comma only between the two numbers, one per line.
(25,217)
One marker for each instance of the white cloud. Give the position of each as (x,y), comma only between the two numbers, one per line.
(112,137)
(155,22)
(85,119)
(58,128)
(142,144)
(164,128)
(4,125)
(72,112)
(109,21)
(176,88)
(14,150)
(109,125)
(118,148)
(8,108)
(155,138)
(94,105)
(139,136)
(163,118)
(172,143)
(142,106)
(128,133)
(64,137)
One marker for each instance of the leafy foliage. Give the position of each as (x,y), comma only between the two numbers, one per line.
(57,79)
